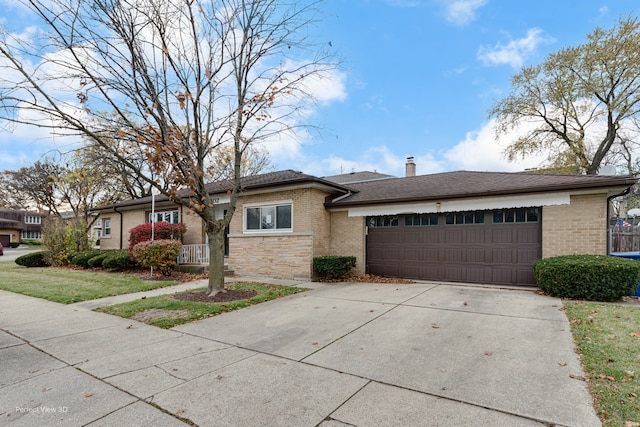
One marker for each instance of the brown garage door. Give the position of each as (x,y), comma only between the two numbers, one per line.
(5,239)
(494,247)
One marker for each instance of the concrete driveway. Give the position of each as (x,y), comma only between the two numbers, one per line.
(341,354)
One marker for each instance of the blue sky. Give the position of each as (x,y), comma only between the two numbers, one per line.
(417,80)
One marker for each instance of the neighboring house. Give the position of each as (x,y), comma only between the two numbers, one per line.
(478,227)
(17,225)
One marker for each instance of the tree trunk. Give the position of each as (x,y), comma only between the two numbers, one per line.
(216,259)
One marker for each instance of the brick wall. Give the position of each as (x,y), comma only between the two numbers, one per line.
(277,256)
(577,228)
(348,238)
(285,254)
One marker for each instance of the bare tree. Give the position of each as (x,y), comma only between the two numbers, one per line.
(177,78)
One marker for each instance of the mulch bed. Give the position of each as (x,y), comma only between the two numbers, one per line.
(229,295)
(367,278)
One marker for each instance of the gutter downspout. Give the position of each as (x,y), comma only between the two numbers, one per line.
(624,193)
(115,209)
(344,196)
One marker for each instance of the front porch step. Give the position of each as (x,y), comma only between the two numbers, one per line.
(202,269)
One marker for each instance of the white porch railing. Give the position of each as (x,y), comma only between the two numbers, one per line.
(194,254)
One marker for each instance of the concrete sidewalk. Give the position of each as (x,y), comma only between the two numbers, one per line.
(341,354)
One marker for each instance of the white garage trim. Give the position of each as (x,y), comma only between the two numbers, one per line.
(485,203)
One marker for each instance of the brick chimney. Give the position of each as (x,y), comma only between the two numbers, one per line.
(410,167)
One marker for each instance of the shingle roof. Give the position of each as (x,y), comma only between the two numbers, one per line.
(460,184)
(348,178)
(271,179)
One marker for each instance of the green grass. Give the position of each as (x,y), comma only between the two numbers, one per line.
(197,310)
(608,338)
(68,286)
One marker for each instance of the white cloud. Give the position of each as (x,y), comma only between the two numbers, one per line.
(516,52)
(461,12)
(480,151)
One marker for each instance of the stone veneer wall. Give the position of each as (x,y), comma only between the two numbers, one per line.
(348,238)
(577,228)
(277,256)
(282,254)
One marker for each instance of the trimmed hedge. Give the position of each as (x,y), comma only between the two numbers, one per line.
(34,259)
(81,259)
(119,260)
(591,277)
(14,244)
(158,254)
(333,266)
(97,260)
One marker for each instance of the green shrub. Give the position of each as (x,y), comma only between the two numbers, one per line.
(592,277)
(97,260)
(14,244)
(81,259)
(160,255)
(33,259)
(333,266)
(120,260)
(32,242)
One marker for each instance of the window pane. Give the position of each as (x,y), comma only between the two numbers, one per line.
(253,218)
(433,219)
(498,217)
(283,216)
(508,215)
(268,217)
(479,217)
(449,219)
(532,215)
(174,217)
(459,218)
(408,221)
(468,218)
(394,221)
(520,215)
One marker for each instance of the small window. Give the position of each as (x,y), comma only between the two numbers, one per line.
(172,216)
(106,227)
(31,235)
(32,219)
(383,221)
(275,217)
(511,216)
(420,220)
(459,218)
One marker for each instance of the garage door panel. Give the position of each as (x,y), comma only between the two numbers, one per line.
(474,235)
(478,253)
(527,255)
(453,255)
(475,274)
(475,254)
(503,255)
(454,236)
(502,234)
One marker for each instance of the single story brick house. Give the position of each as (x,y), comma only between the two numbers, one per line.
(17,225)
(477,227)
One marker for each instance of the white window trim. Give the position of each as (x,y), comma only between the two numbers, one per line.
(102,233)
(266,204)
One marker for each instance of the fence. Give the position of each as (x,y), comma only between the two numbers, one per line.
(194,254)
(624,238)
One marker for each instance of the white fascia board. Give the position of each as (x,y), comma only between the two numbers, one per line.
(459,205)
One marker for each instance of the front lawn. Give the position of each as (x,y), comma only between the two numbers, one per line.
(68,286)
(608,338)
(165,311)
